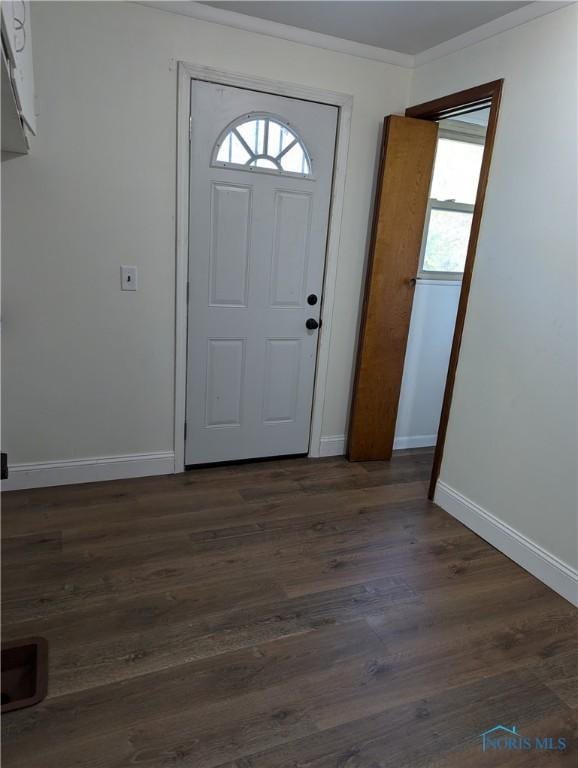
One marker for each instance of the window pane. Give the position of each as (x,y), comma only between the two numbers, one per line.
(295,161)
(274,139)
(286,137)
(456,171)
(232,151)
(263,142)
(224,154)
(263,162)
(447,241)
(279,138)
(261,136)
(253,132)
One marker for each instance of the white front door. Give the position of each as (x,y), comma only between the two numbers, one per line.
(261,172)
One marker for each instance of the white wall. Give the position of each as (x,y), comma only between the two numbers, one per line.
(431,330)
(511,448)
(88,370)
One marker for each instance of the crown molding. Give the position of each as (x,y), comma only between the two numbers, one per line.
(258,26)
(284,31)
(497,26)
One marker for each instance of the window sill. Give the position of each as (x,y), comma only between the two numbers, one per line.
(437,281)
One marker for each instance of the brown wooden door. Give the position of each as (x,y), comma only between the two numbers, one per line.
(406,168)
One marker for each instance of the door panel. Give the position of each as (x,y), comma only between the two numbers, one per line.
(291,234)
(229,250)
(257,250)
(225,375)
(281,379)
(406,168)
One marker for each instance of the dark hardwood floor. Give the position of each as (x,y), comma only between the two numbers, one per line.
(286,614)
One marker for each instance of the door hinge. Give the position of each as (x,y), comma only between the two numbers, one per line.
(185,430)
(188,291)
(190,128)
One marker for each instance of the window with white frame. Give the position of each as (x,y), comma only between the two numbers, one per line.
(262,142)
(451,203)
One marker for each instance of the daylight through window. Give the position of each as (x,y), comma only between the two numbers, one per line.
(263,142)
(450,207)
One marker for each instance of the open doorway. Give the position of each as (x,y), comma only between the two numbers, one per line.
(458,106)
(438,282)
(424,229)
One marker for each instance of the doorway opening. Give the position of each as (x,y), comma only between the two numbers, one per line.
(434,171)
(483,100)
(438,282)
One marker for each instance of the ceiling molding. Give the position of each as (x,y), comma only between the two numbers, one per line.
(283,31)
(485,31)
(316,39)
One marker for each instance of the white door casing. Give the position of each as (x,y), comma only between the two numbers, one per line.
(257,244)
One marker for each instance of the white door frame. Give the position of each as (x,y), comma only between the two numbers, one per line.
(344,102)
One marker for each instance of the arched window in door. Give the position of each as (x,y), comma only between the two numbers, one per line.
(262,142)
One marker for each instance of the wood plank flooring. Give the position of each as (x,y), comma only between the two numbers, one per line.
(285,614)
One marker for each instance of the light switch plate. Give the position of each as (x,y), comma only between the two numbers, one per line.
(128,278)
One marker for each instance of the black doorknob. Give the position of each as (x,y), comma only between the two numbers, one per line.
(311,324)
(312,299)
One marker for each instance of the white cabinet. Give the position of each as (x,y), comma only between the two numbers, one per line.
(18,112)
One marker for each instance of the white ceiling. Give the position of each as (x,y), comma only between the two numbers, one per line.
(408,27)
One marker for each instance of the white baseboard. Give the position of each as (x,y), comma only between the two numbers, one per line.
(414,441)
(548,568)
(332,445)
(68,472)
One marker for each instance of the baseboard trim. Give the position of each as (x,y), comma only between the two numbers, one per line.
(546,567)
(70,472)
(414,441)
(332,445)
